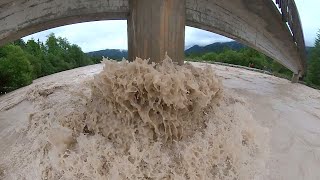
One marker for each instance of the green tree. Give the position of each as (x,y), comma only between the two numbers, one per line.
(244,57)
(63,55)
(20,43)
(313,73)
(80,59)
(41,65)
(210,56)
(22,62)
(232,57)
(15,69)
(34,54)
(253,56)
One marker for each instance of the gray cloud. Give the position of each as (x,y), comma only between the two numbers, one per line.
(200,37)
(99,35)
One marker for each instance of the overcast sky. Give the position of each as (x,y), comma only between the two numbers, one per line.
(99,35)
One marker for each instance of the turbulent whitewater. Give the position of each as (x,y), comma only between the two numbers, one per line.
(136,120)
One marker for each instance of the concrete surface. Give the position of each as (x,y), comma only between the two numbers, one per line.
(295,78)
(256,23)
(155,28)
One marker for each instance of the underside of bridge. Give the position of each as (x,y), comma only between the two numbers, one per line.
(156,27)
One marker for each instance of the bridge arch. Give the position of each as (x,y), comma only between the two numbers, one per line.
(255,23)
(19,18)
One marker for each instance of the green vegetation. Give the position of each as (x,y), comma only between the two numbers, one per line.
(313,74)
(22,62)
(15,68)
(244,57)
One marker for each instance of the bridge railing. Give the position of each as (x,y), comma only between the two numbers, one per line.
(290,14)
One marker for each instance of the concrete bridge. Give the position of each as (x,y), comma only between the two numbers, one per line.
(157,26)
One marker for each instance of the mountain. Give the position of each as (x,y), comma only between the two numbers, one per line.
(110,53)
(194,50)
(215,47)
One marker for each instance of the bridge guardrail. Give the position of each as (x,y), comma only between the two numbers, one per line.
(290,14)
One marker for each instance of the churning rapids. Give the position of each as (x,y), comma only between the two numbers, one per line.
(121,120)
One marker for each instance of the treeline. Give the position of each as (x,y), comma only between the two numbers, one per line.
(251,57)
(21,62)
(313,74)
(244,57)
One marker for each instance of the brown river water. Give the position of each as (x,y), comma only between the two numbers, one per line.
(135,121)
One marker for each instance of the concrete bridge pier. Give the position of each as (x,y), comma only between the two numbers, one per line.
(295,77)
(156,27)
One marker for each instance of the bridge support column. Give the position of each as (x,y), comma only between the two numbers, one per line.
(156,27)
(295,77)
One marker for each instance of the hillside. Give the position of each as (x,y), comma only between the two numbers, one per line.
(194,50)
(215,47)
(110,53)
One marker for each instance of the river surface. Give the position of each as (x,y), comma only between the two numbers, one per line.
(290,112)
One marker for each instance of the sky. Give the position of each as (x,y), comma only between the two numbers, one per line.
(98,35)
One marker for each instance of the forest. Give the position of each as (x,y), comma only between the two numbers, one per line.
(244,57)
(22,62)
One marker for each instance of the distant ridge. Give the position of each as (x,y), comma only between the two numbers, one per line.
(194,50)
(214,47)
(110,53)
